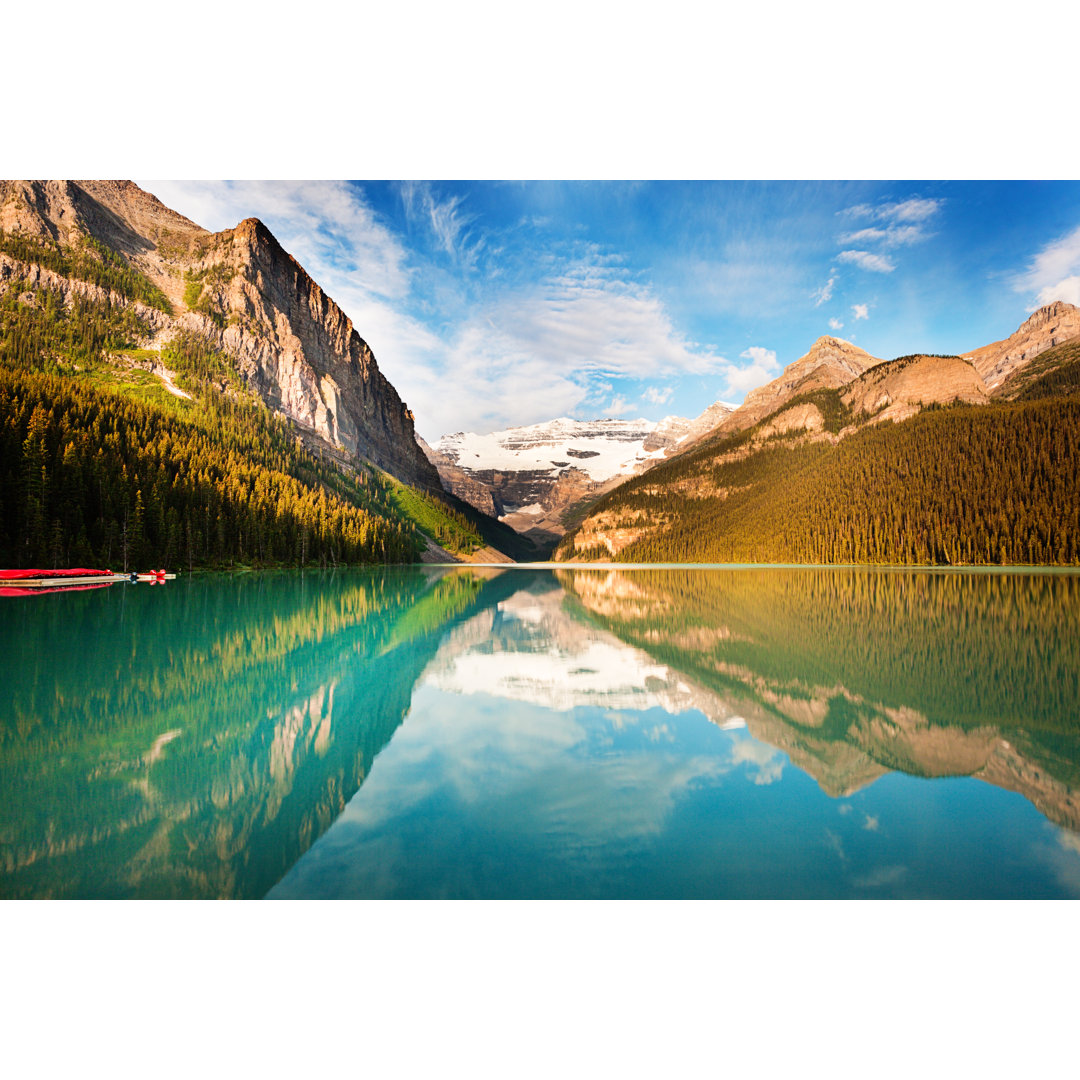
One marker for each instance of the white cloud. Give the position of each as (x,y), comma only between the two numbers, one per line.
(763,367)
(912,209)
(766,358)
(1054,272)
(835,324)
(655,396)
(860,311)
(902,226)
(907,211)
(550,349)
(865,260)
(824,294)
(891,237)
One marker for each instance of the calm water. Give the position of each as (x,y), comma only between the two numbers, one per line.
(536,733)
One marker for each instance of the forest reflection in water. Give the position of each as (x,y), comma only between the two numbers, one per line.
(570,733)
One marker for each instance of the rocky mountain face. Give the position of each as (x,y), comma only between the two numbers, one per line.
(532,477)
(829,364)
(900,389)
(246,295)
(1049,326)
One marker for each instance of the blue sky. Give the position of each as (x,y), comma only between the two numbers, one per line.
(489,305)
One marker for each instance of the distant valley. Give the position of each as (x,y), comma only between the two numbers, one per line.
(534,478)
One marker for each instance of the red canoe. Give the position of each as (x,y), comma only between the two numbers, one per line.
(22,582)
(17,575)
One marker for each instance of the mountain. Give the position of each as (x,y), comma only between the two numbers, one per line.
(534,478)
(807,469)
(1051,325)
(245,295)
(830,363)
(174,395)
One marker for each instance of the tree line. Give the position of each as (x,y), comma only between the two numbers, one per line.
(995,484)
(90,474)
(87,260)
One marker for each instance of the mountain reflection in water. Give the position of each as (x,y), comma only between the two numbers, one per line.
(642,732)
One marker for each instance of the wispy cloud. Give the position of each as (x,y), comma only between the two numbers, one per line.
(908,210)
(866,260)
(824,294)
(891,237)
(835,324)
(450,224)
(553,348)
(860,311)
(1054,272)
(898,224)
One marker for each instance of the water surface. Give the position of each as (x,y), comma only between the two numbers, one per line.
(752,732)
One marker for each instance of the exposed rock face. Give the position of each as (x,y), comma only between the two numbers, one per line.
(460,481)
(805,417)
(117,212)
(298,349)
(900,389)
(1049,326)
(294,346)
(830,363)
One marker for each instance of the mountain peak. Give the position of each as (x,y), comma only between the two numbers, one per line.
(1057,309)
(827,341)
(829,344)
(1051,325)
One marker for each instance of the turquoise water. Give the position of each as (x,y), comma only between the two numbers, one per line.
(757,732)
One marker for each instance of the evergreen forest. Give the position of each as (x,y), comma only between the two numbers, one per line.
(100,465)
(994,484)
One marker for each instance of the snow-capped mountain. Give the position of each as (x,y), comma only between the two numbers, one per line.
(530,477)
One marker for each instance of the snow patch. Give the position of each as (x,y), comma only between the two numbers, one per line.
(599,448)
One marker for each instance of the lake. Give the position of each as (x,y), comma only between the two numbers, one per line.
(544,733)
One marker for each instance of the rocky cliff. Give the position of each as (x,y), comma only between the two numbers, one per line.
(242,291)
(1049,326)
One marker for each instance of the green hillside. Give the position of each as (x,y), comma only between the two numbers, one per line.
(100,464)
(996,484)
